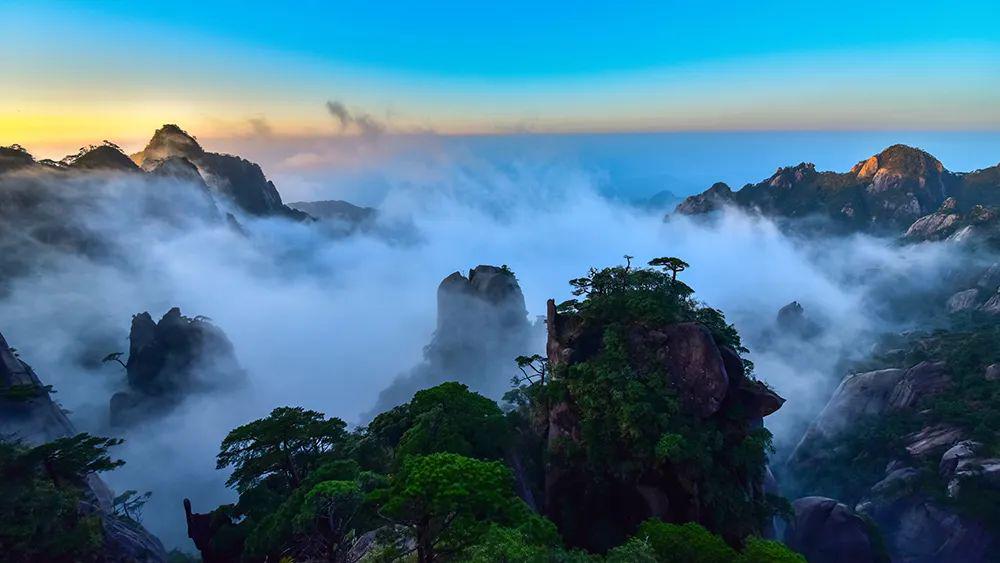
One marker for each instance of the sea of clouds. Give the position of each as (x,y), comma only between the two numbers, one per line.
(326,322)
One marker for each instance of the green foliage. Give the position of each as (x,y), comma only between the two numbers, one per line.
(446,418)
(130,504)
(25,392)
(67,461)
(279,527)
(450,502)
(281,448)
(623,294)
(687,543)
(660,542)
(326,518)
(635,550)
(758,550)
(40,493)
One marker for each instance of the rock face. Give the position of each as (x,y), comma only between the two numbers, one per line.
(901,189)
(482,326)
(28,413)
(710,386)
(237,180)
(169,360)
(826,531)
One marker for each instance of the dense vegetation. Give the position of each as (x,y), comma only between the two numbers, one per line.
(41,491)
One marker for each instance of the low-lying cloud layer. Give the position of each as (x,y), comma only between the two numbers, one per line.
(326,323)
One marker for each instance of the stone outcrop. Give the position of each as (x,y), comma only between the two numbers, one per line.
(482,325)
(710,385)
(235,179)
(826,531)
(170,359)
(28,413)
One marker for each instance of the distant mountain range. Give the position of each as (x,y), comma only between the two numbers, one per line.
(899,190)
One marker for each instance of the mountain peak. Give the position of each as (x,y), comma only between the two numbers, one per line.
(169,140)
(13,157)
(106,156)
(899,158)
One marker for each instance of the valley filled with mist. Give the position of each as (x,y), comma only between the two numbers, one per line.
(439,267)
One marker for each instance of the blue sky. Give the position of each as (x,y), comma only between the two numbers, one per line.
(467,67)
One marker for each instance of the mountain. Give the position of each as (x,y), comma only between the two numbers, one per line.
(236,179)
(337,212)
(106,156)
(885,193)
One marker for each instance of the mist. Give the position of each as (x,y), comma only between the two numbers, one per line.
(327,322)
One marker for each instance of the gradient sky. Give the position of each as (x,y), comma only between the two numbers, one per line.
(75,72)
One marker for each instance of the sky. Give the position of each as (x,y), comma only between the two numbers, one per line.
(75,72)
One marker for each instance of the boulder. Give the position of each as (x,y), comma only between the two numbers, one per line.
(826,531)
(931,439)
(992,306)
(691,360)
(963,301)
(919,382)
(859,396)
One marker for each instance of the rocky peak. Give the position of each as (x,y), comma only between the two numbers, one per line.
(238,180)
(106,156)
(712,199)
(170,359)
(907,160)
(169,140)
(792,175)
(482,325)
(488,290)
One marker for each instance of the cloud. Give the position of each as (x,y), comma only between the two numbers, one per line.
(363,123)
(260,127)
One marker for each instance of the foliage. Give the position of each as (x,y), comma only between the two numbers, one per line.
(690,543)
(40,493)
(623,294)
(130,504)
(281,448)
(446,418)
(25,392)
(450,502)
(759,550)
